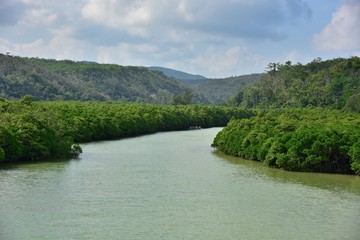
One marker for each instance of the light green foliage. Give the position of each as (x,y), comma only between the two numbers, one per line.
(314,139)
(27,100)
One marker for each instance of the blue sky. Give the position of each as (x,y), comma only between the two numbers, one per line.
(214,38)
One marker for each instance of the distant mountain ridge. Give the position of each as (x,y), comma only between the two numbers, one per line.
(220,90)
(183,76)
(215,90)
(49,79)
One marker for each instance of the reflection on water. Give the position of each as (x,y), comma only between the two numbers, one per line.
(172,186)
(35,166)
(336,182)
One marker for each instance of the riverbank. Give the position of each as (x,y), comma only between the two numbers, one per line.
(32,130)
(303,139)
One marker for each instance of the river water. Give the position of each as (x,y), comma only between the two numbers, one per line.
(173,186)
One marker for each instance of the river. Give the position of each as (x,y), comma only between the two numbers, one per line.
(172,185)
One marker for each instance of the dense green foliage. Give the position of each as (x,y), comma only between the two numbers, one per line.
(183,99)
(316,139)
(301,139)
(32,130)
(218,91)
(332,83)
(68,80)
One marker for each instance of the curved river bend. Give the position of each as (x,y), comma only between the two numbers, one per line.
(173,186)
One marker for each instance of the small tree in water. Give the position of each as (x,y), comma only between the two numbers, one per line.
(75,150)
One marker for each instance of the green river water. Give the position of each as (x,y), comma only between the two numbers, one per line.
(173,185)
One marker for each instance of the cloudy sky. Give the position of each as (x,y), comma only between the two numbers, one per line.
(215,38)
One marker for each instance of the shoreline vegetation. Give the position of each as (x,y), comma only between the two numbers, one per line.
(296,139)
(39,130)
(310,119)
(295,117)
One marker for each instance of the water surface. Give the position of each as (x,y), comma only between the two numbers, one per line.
(173,186)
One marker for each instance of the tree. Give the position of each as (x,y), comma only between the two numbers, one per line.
(183,99)
(27,100)
(353,103)
(272,68)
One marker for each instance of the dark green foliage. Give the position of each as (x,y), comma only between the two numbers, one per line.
(333,83)
(320,140)
(353,103)
(33,130)
(355,157)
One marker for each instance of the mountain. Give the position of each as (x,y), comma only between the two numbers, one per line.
(48,79)
(69,80)
(183,76)
(220,90)
(213,91)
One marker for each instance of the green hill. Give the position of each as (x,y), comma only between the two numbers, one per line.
(47,79)
(213,91)
(219,90)
(332,83)
(68,80)
(183,76)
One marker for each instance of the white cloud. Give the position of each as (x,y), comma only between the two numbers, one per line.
(182,8)
(343,32)
(242,19)
(39,17)
(298,8)
(232,59)
(293,56)
(27,49)
(60,46)
(199,36)
(115,14)
(125,54)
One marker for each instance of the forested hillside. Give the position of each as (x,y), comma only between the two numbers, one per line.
(332,83)
(47,79)
(301,124)
(183,76)
(219,90)
(69,80)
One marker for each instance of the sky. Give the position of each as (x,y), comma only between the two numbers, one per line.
(214,38)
